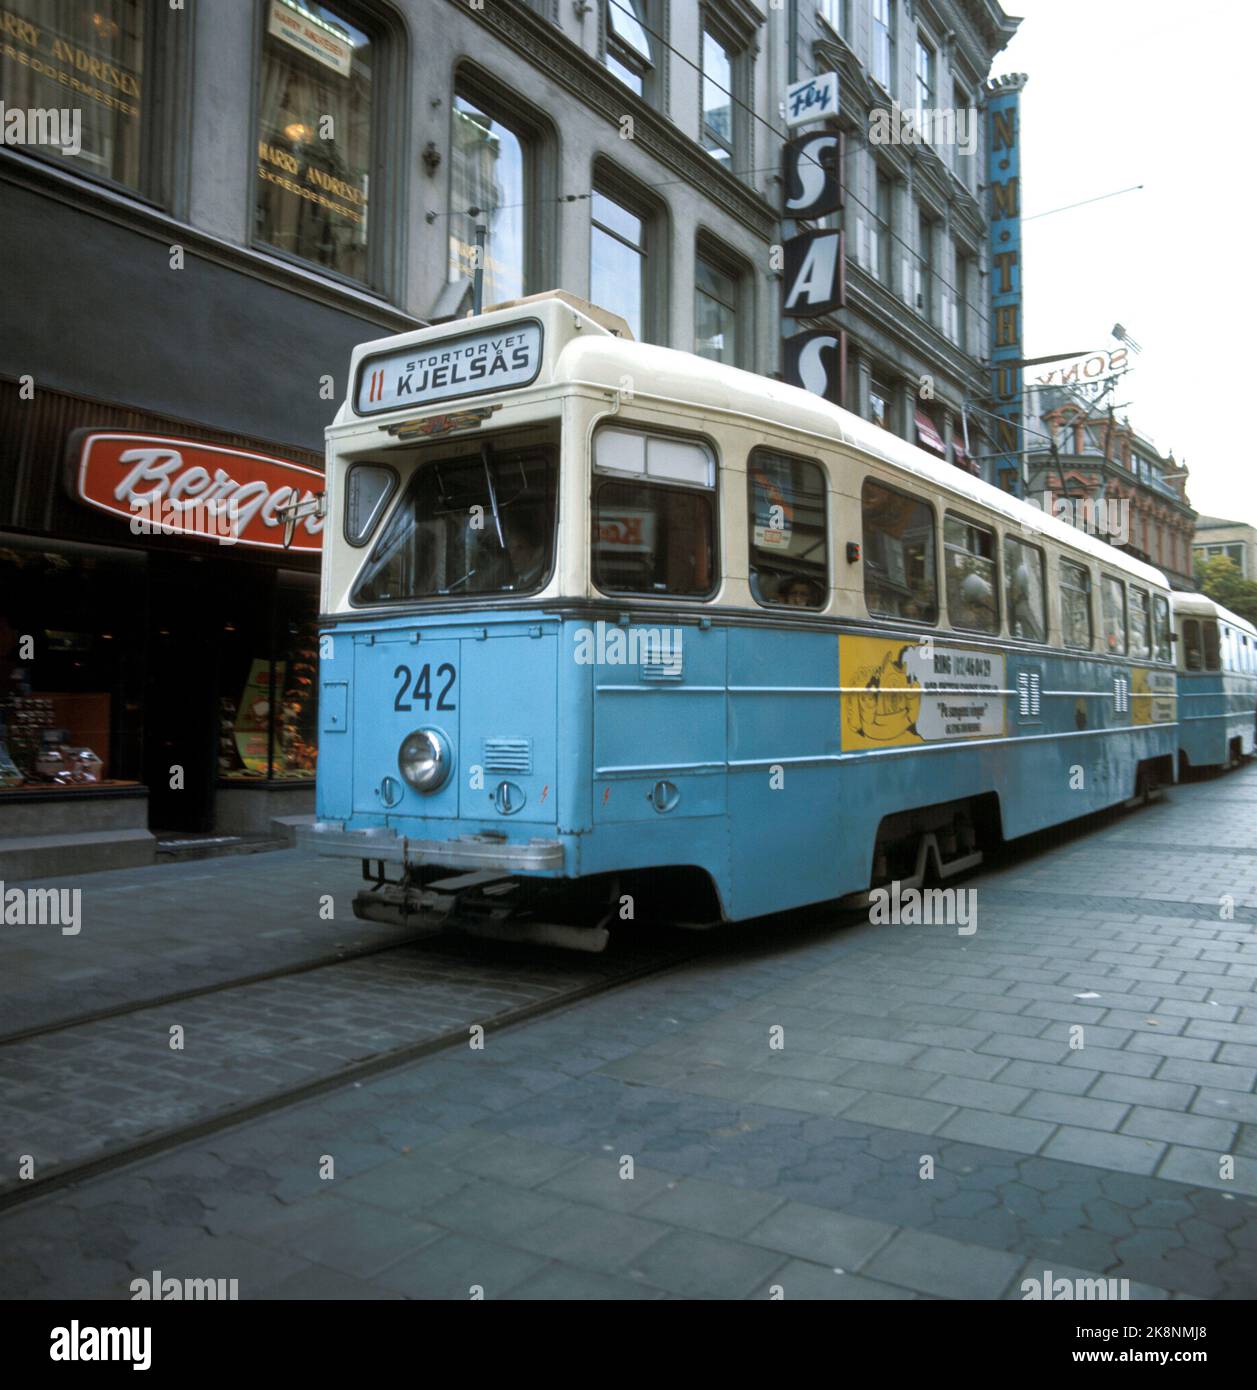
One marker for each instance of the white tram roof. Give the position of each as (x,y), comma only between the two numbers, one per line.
(1192,605)
(587,345)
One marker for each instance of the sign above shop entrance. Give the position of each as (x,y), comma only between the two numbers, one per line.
(183,487)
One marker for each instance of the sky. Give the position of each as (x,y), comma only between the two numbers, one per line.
(1126,92)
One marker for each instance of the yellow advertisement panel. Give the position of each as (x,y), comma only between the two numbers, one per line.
(1152,696)
(897,692)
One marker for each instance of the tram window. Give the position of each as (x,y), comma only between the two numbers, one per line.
(428,550)
(1113,614)
(1075,605)
(1025,593)
(785,503)
(1213,654)
(654,532)
(1140,624)
(1192,659)
(969,568)
(899,571)
(1161,627)
(368,490)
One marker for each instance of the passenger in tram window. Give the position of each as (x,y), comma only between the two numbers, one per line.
(526,560)
(798,592)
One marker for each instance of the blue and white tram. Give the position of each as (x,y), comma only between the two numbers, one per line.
(1217,683)
(603,616)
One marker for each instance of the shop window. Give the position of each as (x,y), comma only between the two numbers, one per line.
(1113,614)
(969,566)
(92,61)
(1025,590)
(1140,624)
(1161,627)
(899,569)
(1075,589)
(654,515)
(71,622)
(785,503)
(489,171)
(314,155)
(268,682)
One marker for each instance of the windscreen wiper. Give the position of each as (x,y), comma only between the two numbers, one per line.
(485,453)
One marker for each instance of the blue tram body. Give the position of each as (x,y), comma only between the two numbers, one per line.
(620,701)
(1217,683)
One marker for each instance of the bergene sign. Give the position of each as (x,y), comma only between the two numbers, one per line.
(187,488)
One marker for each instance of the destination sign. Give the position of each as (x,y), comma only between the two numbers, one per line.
(469,365)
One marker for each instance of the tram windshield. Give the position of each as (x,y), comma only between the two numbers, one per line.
(476,518)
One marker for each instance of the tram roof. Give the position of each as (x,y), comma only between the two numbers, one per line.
(1194,605)
(588,345)
(697,381)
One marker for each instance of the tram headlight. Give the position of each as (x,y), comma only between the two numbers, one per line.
(425,759)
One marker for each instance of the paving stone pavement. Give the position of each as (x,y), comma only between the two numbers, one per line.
(854,1112)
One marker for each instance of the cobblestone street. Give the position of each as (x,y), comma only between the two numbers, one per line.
(764,1110)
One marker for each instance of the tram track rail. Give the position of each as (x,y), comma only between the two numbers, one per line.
(128,1152)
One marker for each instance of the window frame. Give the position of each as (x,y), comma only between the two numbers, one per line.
(386,241)
(385,507)
(1147,635)
(996,590)
(715,256)
(611,185)
(624,54)
(929,50)
(1045,615)
(648,429)
(1191,627)
(472,84)
(883,37)
(1105,581)
(1063,564)
(735,51)
(827,584)
(1161,612)
(872,478)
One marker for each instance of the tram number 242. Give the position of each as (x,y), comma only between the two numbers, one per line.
(422,687)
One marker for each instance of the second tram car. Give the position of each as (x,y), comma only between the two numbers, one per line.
(1217,683)
(605,617)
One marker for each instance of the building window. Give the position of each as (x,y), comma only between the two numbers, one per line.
(719,65)
(925,79)
(879,404)
(964,278)
(1113,614)
(785,503)
(654,515)
(969,568)
(925,271)
(488,172)
(628,52)
(883,43)
(1025,590)
(879,259)
(619,267)
(716,294)
(90,61)
(899,570)
(315,137)
(1075,605)
(834,13)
